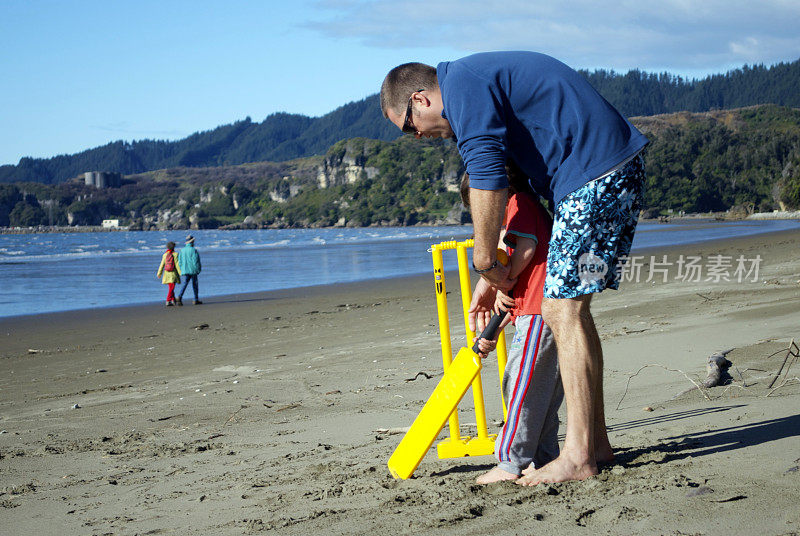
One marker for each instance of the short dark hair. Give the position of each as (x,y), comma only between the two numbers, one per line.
(517,181)
(170,245)
(402,81)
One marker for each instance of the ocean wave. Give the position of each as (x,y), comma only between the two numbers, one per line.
(73,246)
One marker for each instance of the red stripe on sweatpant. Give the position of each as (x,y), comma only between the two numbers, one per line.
(524,379)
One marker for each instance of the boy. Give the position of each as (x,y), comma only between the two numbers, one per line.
(531,380)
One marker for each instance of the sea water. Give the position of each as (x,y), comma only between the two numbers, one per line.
(51,272)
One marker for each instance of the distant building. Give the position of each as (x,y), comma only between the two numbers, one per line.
(110,224)
(102,179)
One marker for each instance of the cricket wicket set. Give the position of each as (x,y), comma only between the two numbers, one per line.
(459,374)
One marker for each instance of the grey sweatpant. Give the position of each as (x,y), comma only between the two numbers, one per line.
(532,389)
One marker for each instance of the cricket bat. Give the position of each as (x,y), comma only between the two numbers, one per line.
(446,396)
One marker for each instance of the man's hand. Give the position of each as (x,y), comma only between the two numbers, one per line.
(498,277)
(480,309)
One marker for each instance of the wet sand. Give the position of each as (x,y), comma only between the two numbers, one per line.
(274,412)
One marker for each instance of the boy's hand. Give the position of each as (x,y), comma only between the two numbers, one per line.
(485,346)
(503,302)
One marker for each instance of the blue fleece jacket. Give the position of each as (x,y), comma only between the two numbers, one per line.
(537,111)
(189,260)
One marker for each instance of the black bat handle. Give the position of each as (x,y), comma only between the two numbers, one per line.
(491,329)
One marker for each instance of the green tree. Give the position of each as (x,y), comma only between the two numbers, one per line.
(26,214)
(220,205)
(9,197)
(790,187)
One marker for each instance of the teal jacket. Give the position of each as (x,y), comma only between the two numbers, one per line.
(189,260)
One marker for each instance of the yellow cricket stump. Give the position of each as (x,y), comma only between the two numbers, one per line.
(483,444)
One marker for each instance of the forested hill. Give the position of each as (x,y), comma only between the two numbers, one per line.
(283,136)
(279,137)
(638,93)
(744,160)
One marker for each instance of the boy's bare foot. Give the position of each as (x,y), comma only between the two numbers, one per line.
(559,470)
(495,475)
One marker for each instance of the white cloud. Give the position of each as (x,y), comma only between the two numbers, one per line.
(679,35)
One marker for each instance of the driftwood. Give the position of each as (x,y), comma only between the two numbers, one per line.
(716,371)
(632,376)
(420,373)
(716,366)
(794,352)
(392,431)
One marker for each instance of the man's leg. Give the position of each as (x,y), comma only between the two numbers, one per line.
(593,229)
(580,360)
(194,287)
(603,452)
(183,287)
(602,447)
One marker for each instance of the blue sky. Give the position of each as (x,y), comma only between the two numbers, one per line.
(78,74)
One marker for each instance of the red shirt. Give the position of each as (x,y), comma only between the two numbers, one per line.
(526,217)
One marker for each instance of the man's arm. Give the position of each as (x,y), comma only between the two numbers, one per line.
(488,208)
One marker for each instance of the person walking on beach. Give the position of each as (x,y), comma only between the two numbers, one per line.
(531,380)
(582,156)
(189,261)
(169,272)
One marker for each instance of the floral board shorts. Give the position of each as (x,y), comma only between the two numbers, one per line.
(593,231)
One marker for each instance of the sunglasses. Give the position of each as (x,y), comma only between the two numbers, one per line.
(408,125)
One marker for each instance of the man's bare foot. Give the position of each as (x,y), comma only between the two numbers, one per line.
(495,475)
(528,470)
(601,455)
(604,454)
(559,470)
(605,457)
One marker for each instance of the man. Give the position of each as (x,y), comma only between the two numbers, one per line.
(581,155)
(189,262)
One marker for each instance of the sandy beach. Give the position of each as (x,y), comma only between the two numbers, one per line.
(277,412)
